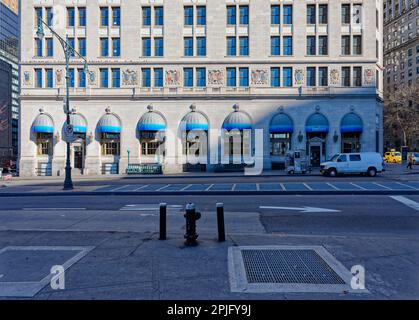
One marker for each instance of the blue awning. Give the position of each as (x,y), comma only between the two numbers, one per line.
(43,124)
(237,120)
(317,123)
(151,121)
(351,123)
(79,123)
(281,123)
(109,123)
(194,121)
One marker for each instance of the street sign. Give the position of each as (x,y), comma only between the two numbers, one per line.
(69,132)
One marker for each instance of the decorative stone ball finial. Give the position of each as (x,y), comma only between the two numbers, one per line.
(108,110)
(236,107)
(73,110)
(41,110)
(150,108)
(317,108)
(193,107)
(281,109)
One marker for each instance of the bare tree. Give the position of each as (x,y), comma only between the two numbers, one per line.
(401,113)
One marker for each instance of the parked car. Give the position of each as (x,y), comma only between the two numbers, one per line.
(415,157)
(369,163)
(393,157)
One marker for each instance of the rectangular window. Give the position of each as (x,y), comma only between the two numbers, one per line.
(72,44)
(50,16)
(116,78)
(104,78)
(116,16)
(275,46)
(244,77)
(311,45)
(346,76)
(158,16)
(346,14)
(201,46)
(38,78)
(231,15)
(188,46)
(146,47)
(201,77)
(188,13)
(104,47)
(357,44)
(287,77)
(323,45)
(82,17)
(82,47)
(71,76)
(158,77)
(70,17)
(311,76)
(287,51)
(104,17)
(188,77)
(158,47)
(346,45)
(287,11)
(244,15)
(38,15)
(50,47)
(311,14)
(82,78)
(201,12)
(231,46)
(244,46)
(146,75)
(231,77)
(323,16)
(116,47)
(146,16)
(38,47)
(323,78)
(275,77)
(49,77)
(357,76)
(275,14)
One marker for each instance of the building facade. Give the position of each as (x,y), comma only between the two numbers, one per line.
(170,77)
(9,85)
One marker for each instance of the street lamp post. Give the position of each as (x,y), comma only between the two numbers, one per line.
(69,51)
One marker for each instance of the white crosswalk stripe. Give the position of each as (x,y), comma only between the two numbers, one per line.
(149,207)
(407,202)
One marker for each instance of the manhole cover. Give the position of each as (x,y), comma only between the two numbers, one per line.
(286,269)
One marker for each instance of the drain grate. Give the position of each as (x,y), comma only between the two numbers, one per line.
(263,269)
(288,266)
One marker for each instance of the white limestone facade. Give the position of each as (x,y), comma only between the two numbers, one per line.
(322,100)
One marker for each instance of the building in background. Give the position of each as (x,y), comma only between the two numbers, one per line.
(9,84)
(401,58)
(308,74)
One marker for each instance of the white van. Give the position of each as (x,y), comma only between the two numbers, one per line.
(363,163)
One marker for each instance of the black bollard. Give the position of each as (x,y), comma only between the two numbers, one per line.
(191,216)
(163,210)
(220,222)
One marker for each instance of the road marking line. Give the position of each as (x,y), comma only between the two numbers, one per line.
(234,187)
(118,188)
(159,189)
(405,185)
(257,187)
(207,189)
(378,184)
(407,202)
(282,186)
(188,186)
(307,186)
(358,186)
(38,209)
(142,187)
(333,186)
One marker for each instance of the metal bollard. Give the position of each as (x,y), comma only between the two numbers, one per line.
(191,217)
(220,222)
(163,211)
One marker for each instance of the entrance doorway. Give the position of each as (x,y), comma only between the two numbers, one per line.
(78,155)
(316,147)
(315,155)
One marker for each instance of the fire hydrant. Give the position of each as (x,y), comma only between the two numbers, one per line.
(191,217)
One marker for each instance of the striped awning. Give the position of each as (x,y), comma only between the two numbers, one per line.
(281,123)
(78,122)
(109,123)
(237,120)
(151,121)
(351,123)
(43,124)
(194,121)
(317,123)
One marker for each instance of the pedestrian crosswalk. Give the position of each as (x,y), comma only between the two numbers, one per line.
(264,187)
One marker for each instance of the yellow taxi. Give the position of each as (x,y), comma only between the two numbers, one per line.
(393,157)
